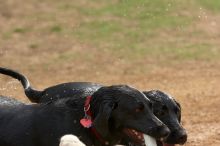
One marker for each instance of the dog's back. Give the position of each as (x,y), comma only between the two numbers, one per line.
(8,109)
(35,124)
(16,119)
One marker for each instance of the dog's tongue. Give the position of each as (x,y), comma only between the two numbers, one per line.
(165,144)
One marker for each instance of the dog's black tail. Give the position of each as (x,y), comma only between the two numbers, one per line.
(32,94)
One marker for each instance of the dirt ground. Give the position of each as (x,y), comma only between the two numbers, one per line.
(194,84)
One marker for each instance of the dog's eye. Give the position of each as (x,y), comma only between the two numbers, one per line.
(161,112)
(140,107)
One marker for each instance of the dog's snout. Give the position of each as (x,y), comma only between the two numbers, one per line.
(182,137)
(164,130)
(178,136)
(160,131)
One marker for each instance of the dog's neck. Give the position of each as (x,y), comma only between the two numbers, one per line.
(89,120)
(110,139)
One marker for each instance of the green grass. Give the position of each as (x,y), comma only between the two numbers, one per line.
(20,30)
(56,29)
(129,17)
(213,5)
(33,46)
(131,29)
(6,35)
(127,27)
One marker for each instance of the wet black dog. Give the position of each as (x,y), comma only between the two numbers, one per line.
(114,110)
(164,106)
(168,110)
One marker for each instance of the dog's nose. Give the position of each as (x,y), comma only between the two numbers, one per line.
(164,131)
(182,138)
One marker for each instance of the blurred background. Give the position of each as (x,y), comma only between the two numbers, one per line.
(171,45)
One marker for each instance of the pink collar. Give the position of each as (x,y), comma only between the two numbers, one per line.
(87,121)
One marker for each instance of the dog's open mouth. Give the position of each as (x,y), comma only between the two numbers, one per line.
(138,138)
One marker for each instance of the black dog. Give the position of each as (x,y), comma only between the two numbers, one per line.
(168,111)
(113,110)
(165,107)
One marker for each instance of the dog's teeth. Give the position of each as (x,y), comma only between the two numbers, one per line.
(135,132)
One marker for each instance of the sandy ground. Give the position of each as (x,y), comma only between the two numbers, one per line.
(194,84)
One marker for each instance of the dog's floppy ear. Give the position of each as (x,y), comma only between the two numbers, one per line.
(101,121)
(178,104)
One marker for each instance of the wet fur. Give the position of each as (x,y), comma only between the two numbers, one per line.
(113,109)
(73,89)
